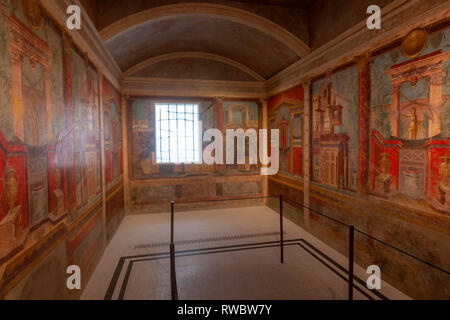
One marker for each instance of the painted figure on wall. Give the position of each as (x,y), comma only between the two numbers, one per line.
(410,117)
(12,231)
(414,125)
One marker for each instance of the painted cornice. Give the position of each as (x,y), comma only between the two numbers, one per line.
(193,54)
(87,39)
(138,86)
(401,15)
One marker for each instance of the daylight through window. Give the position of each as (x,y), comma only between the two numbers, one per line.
(178,136)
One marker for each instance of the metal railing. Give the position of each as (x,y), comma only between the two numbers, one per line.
(351,247)
(173,277)
(351,241)
(173,273)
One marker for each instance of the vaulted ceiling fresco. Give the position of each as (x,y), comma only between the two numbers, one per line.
(264,36)
(246,45)
(261,39)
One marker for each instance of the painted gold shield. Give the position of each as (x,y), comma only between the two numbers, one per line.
(414,43)
(32,12)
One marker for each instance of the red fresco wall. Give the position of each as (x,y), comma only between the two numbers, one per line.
(70,212)
(295,93)
(13,157)
(435,150)
(113,139)
(298,161)
(290,97)
(379,146)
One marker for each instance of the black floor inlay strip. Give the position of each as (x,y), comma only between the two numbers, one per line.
(337,265)
(212,239)
(301,243)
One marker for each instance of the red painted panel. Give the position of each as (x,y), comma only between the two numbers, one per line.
(14,156)
(51,175)
(434,155)
(3,206)
(18,163)
(298,161)
(294,93)
(111,96)
(121,160)
(379,146)
(81,236)
(108,166)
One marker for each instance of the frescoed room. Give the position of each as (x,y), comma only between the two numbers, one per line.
(224,150)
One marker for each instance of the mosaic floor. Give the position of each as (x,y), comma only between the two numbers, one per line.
(223,254)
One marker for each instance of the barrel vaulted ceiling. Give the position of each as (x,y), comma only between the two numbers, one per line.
(211,40)
(246,40)
(253,48)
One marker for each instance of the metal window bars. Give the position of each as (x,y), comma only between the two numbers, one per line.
(177,133)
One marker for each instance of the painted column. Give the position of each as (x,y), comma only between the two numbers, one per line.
(307,154)
(264,125)
(84,143)
(102,150)
(17,107)
(436,81)
(48,103)
(69,174)
(218,121)
(395,110)
(126,172)
(218,113)
(291,148)
(363,122)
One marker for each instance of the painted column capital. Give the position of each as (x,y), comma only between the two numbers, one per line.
(363,61)
(306,84)
(86,58)
(67,41)
(437,78)
(124,96)
(100,74)
(16,56)
(395,86)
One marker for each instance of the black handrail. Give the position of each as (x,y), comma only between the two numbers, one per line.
(281,230)
(351,246)
(372,237)
(220,200)
(352,230)
(402,251)
(173,274)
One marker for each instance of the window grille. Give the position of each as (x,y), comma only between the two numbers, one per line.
(178,136)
